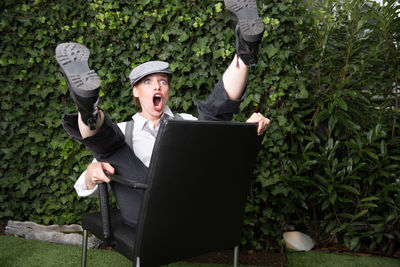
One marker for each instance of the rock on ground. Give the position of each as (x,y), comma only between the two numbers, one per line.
(60,234)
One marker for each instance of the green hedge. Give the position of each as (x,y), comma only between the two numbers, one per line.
(330,159)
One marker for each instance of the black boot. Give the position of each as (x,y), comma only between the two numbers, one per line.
(249,28)
(83,83)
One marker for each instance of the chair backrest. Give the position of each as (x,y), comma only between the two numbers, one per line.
(198,183)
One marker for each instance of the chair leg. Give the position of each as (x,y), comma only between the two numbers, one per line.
(84,248)
(236,256)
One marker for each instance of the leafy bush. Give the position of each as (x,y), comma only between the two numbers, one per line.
(345,153)
(329,164)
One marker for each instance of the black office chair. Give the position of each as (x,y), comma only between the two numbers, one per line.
(194,199)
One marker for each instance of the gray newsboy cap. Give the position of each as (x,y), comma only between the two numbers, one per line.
(148,68)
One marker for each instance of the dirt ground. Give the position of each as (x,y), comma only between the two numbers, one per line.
(255,258)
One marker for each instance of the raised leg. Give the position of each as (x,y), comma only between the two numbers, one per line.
(235,78)
(83,83)
(249,28)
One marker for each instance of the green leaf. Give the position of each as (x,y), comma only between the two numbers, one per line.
(303,94)
(367,205)
(369,136)
(332,122)
(271,50)
(218,7)
(349,189)
(383,147)
(371,154)
(321,116)
(341,228)
(360,214)
(279,190)
(355,243)
(333,197)
(391,217)
(341,103)
(330,226)
(371,198)
(269,181)
(325,204)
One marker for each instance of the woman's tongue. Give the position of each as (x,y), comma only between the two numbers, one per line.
(157,101)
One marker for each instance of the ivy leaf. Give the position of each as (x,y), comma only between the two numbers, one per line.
(303,94)
(271,50)
(218,7)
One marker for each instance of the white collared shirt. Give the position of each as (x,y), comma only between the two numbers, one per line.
(143,137)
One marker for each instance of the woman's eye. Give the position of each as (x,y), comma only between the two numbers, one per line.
(164,82)
(146,82)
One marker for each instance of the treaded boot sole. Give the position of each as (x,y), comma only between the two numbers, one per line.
(245,14)
(73,60)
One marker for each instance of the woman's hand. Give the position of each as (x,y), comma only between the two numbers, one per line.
(262,122)
(96,174)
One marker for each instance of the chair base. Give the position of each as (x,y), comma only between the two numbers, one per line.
(236,256)
(84,248)
(84,253)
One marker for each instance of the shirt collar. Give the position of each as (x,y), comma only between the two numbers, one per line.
(140,121)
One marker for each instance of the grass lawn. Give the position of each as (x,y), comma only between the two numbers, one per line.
(317,259)
(21,252)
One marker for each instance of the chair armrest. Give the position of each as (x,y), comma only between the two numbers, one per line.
(105,211)
(104,204)
(119,179)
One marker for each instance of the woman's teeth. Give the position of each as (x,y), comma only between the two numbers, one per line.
(157,100)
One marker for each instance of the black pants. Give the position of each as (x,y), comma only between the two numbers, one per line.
(108,145)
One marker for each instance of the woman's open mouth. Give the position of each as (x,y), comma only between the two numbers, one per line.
(157,102)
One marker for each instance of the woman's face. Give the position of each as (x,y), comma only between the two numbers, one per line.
(153,93)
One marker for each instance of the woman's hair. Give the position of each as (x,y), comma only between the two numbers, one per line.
(136,101)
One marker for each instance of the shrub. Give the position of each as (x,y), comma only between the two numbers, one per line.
(327,74)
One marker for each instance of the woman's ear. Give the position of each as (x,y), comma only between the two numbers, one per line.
(135,91)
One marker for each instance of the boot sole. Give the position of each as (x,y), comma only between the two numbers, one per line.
(245,14)
(73,60)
